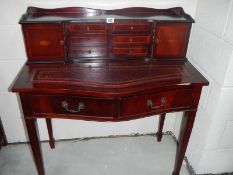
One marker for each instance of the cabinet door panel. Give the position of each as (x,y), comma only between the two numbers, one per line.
(171,40)
(44,42)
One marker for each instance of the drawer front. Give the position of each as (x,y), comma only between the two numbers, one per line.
(97,51)
(130,51)
(131,27)
(72,105)
(88,27)
(131,40)
(88,40)
(157,102)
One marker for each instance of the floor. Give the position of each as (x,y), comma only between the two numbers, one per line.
(141,155)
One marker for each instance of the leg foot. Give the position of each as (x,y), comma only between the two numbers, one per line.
(33,135)
(50,131)
(159,134)
(185,132)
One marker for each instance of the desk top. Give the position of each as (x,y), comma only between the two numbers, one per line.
(107,78)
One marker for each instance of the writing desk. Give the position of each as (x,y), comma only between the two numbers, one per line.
(110,88)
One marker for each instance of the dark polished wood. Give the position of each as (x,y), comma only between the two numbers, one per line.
(50,131)
(159,134)
(3,140)
(74,33)
(78,14)
(185,131)
(44,42)
(87,28)
(118,65)
(131,27)
(87,40)
(108,78)
(126,90)
(88,51)
(33,135)
(171,40)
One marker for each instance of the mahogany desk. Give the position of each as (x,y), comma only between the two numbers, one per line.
(131,67)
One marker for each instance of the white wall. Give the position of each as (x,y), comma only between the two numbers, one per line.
(211,51)
(13,56)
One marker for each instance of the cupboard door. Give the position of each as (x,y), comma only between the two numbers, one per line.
(171,40)
(44,42)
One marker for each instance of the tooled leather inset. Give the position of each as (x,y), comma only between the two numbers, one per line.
(108,76)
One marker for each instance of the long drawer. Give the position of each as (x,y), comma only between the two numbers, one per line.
(87,27)
(72,105)
(88,40)
(130,51)
(111,109)
(156,102)
(131,39)
(131,27)
(88,51)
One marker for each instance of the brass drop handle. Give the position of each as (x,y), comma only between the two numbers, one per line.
(80,107)
(130,51)
(131,27)
(163,100)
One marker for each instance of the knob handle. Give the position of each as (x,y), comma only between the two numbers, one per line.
(62,42)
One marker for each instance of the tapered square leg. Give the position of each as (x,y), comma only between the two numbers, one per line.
(159,134)
(185,132)
(50,131)
(33,135)
(3,140)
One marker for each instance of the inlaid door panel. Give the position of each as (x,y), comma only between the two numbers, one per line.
(171,40)
(44,42)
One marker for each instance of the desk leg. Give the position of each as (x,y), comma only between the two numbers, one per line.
(159,134)
(33,135)
(185,132)
(50,131)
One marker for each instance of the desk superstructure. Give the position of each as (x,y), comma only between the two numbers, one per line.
(107,65)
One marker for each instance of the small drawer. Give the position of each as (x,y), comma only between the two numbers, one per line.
(131,27)
(97,51)
(157,102)
(72,105)
(131,40)
(87,27)
(130,51)
(88,40)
